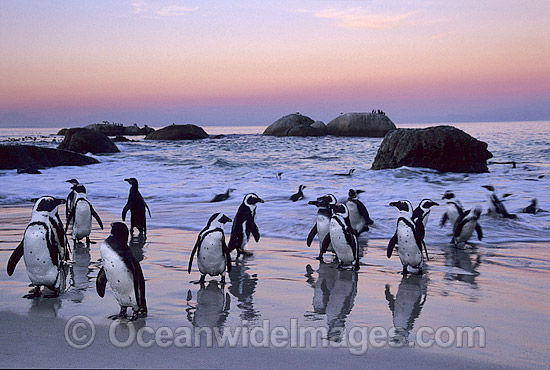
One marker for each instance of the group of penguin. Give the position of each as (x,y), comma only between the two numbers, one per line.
(45,247)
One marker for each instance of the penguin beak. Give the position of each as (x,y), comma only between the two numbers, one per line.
(394,204)
(225,219)
(260,200)
(313,202)
(433,204)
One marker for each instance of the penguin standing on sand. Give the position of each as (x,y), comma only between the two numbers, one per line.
(454,209)
(358,214)
(123,272)
(299,195)
(244,224)
(322,224)
(71,199)
(81,216)
(59,234)
(136,205)
(465,226)
(342,237)
(406,238)
(43,256)
(213,256)
(496,207)
(420,219)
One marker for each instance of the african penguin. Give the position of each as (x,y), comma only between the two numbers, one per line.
(349,174)
(406,238)
(81,216)
(299,195)
(358,214)
(244,224)
(420,219)
(44,257)
(136,205)
(223,196)
(496,206)
(123,272)
(71,198)
(465,226)
(454,209)
(213,257)
(322,224)
(533,208)
(342,237)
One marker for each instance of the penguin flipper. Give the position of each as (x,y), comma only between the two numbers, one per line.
(139,286)
(444,219)
(253,228)
(125,210)
(96,216)
(479,232)
(226,254)
(101,282)
(311,235)
(146,206)
(71,217)
(14,258)
(420,230)
(364,213)
(391,245)
(195,250)
(324,244)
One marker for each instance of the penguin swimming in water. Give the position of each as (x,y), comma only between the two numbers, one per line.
(454,209)
(342,237)
(465,226)
(213,257)
(136,205)
(123,272)
(81,216)
(244,224)
(322,224)
(299,195)
(71,198)
(44,257)
(496,207)
(406,238)
(349,174)
(420,219)
(358,214)
(533,208)
(223,196)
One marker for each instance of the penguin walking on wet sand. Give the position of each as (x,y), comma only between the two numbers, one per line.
(465,226)
(136,205)
(71,199)
(244,224)
(496,206)
(322,223)
(44,257)
(342,237)
(454,209)
(406,238)
(299,195)
(358,214)
(213,257)
(123,272)
(81,216)
(420,219)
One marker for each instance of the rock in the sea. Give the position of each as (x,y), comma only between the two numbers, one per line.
(443,148)
(30,158)
(295,125)
(178,132)
(83,140)
(360,124)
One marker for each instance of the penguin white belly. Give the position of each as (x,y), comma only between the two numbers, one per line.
(210,258)
(38,263)
(452,214)
(466,232)
(246,237)
(323,228)
(356,220)
(119,276)
(339,243)
(82,226)
(408,250)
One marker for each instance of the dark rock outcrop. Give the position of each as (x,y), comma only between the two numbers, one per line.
(111,129)
(443,148)
(178,132)
(83,140)
(360,124)
(29,158)
(294,125)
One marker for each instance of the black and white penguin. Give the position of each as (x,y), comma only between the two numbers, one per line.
(349,174)
(358,214)
(496,207)
(465,226)
(223,196)
(342,237)
(299,195)
(533,208)
(55,220)
(420,219)
(322,224)
(44,257)
(454,209)
(123,272)
(213,257)
(406,238)
(136,205)
(71,199)
(81,216)
(244,224)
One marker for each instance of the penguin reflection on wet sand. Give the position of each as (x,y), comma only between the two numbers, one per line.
(136,205)
(123,272)
(299,195)
(244,224)
(406,238)
(213,256)
(45,259)
(322,223)
(496,206)
(212,309)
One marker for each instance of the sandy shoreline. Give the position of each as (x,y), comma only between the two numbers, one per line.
(281,282)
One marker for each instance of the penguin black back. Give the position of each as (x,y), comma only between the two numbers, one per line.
(136,205)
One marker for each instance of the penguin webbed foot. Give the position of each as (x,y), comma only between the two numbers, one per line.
(54,293)
(319,257)
(405,271)
(121,315)
(34,293)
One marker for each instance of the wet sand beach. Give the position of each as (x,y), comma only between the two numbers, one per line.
(284,288)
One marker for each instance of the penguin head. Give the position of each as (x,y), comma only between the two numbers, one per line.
(120,232)
(477,212)
(340,209)
(534,202)
(132,181)
(353,193)
(331,199)
(403,206)
(47,204)
(425,204)
(489,187)
(73,181)
(351,171)
(79,188)
(448,195)
(216,220)
(301,187)
(251,199)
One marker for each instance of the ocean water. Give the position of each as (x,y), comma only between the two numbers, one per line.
(178,179)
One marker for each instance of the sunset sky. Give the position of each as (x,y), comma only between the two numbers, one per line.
(228,62)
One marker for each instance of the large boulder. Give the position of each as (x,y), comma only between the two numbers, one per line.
(178,132)
(83,140)
(443,148)
(29,157)
(360,124)
(295,125)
